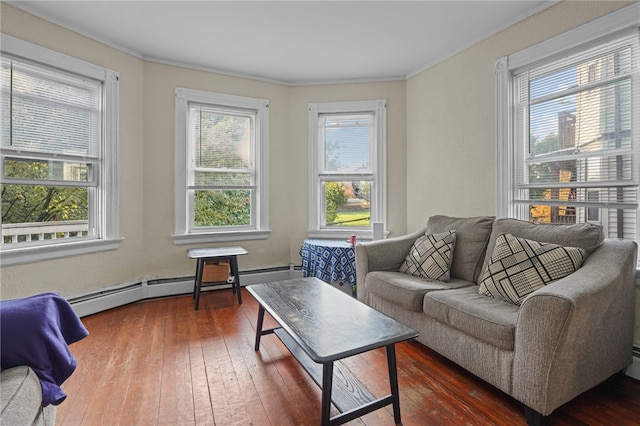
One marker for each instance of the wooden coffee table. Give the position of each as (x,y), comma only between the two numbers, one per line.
(320,325)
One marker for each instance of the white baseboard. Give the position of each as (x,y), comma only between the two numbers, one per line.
(634,369)
(112,297)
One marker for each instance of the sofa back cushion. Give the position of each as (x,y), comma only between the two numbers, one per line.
(583,235)
(472,236)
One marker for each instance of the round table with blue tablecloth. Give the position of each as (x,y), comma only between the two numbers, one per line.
(332,261)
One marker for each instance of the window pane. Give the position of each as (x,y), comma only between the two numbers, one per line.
(347,142)
(222,141)
(552,214)
(347,203)
(581,70)
(21,168)
(36,203)
(588,121)
(222,208)
(553,125)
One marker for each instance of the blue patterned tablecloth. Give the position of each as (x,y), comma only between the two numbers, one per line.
(329,260)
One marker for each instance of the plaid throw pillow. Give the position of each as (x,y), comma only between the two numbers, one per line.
(430,256)
(519,267)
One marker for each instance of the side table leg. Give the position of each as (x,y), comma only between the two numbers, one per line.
(393,381)
(198,282)
(327,384)
(259,327)
(195,278)
(236,277)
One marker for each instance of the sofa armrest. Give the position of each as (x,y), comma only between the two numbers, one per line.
(382,255)
(578,331)
(21,399)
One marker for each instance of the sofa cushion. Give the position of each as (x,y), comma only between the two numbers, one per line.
(472,235)
(430,256)
(406,290)
(519,266)
(490,320)
(584,235)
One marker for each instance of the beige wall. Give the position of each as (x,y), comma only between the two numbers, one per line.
(450,117)
(147,163)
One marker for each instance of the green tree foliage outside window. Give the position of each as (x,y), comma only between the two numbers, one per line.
(334,197)
(39,203)
(222,208)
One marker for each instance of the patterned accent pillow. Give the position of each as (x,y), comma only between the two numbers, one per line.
(519,267)
(430,256)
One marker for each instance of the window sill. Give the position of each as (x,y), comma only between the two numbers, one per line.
(218,237)
(342,234)
(20,255)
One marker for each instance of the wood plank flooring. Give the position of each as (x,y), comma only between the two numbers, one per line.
(161,362)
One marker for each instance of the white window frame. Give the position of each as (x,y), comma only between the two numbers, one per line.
(107,236)
(378,203)
(584,36)
(184,232)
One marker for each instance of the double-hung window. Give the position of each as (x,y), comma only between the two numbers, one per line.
(221,164)
(346,168)
(568,128)
(58,154)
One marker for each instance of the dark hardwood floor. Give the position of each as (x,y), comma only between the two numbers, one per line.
(162,362)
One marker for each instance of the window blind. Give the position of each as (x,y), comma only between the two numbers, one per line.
(222,147)
(576,133)
(49,112)
(346,142)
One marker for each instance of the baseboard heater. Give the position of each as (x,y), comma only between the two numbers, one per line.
(112,297)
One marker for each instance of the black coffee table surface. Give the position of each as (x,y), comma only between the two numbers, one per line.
(327,326)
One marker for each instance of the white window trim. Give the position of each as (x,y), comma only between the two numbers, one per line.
(108,192)
(181,232)
(621,20)
(379,163)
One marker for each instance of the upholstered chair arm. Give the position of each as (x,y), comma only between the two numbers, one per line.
(576,332)
(382,255)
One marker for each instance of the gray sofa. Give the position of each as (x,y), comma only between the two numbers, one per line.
(562,340)
(21,399)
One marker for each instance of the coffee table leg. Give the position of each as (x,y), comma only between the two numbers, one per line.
(327,384)
(393,380)
(259,327)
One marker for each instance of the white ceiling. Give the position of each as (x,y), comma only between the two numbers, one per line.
(290,42)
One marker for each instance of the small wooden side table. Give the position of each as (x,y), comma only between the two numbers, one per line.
(216,254)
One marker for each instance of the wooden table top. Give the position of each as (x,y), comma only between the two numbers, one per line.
(327,324)
(215,252)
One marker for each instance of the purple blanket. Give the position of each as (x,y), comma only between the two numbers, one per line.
(35,331)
